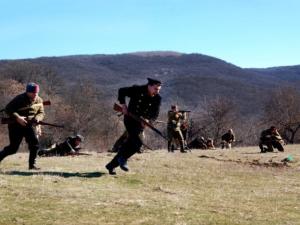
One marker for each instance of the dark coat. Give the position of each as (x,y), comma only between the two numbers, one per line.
(140,103)
(228,137)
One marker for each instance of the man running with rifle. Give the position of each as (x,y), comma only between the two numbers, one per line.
(144,103)
(26,110)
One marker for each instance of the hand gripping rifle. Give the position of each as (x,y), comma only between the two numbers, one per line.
(118,108)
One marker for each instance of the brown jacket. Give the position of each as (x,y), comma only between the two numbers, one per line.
(21,105)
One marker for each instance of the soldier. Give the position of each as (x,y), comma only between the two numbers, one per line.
(26,109)
(210,143)
(198,143)
(70,146)
(144,102)
(272,139)
(173,127)
(227,139)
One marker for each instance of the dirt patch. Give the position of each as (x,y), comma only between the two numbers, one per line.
(254,162)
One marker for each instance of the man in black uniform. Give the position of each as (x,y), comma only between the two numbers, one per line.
(25,110)
(70,146)
(144,102)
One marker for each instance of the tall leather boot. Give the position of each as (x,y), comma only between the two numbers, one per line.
(170,147)
(182,147)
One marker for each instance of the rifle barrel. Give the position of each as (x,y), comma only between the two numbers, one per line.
(11,120)
(50,124)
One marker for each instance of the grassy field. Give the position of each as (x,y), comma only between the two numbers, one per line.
(238,186)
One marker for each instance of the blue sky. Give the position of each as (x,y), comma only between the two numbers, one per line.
(247,33)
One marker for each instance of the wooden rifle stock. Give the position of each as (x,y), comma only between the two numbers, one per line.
(118,108)
(48,102)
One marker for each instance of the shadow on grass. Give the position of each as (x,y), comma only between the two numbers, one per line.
(59,174)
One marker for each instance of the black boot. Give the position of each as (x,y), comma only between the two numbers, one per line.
(111,170)
(182,148)
(169,146)
(33,167)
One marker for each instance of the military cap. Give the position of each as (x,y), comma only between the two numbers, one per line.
(153,81)
(32,88)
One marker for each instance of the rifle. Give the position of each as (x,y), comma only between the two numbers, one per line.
(184,111)
(160,121)
(12,120)
(78,153)
(118,108)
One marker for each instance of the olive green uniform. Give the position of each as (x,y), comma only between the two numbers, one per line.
(21,105)
(174,131)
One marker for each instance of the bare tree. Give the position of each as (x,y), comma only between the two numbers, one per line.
(283,110)
(216,116)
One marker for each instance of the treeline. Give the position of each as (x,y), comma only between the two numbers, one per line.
(84,108)
(80,107)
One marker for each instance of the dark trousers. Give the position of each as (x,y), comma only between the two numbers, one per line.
(16,133)
(131,145)
(50,152)
(271,144)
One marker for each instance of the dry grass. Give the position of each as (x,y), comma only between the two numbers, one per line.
(239,186)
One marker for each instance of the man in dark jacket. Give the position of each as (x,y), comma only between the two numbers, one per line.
(227,139)
(26,110)
(70,146)
(144,102)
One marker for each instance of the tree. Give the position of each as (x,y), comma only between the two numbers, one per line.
(216,115)
(283,110)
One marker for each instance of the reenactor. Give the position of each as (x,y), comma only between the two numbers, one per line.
(198,143)
(144,103)
(26,110)
(227,139)
(271,139)
(174,132)
(70,146)
(210,143)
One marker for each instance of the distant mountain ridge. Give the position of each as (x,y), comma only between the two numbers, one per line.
(187,78)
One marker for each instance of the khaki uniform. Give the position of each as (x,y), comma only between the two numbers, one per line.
(21,105)
(174,129)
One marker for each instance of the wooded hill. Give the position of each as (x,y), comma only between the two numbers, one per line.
(190,80)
